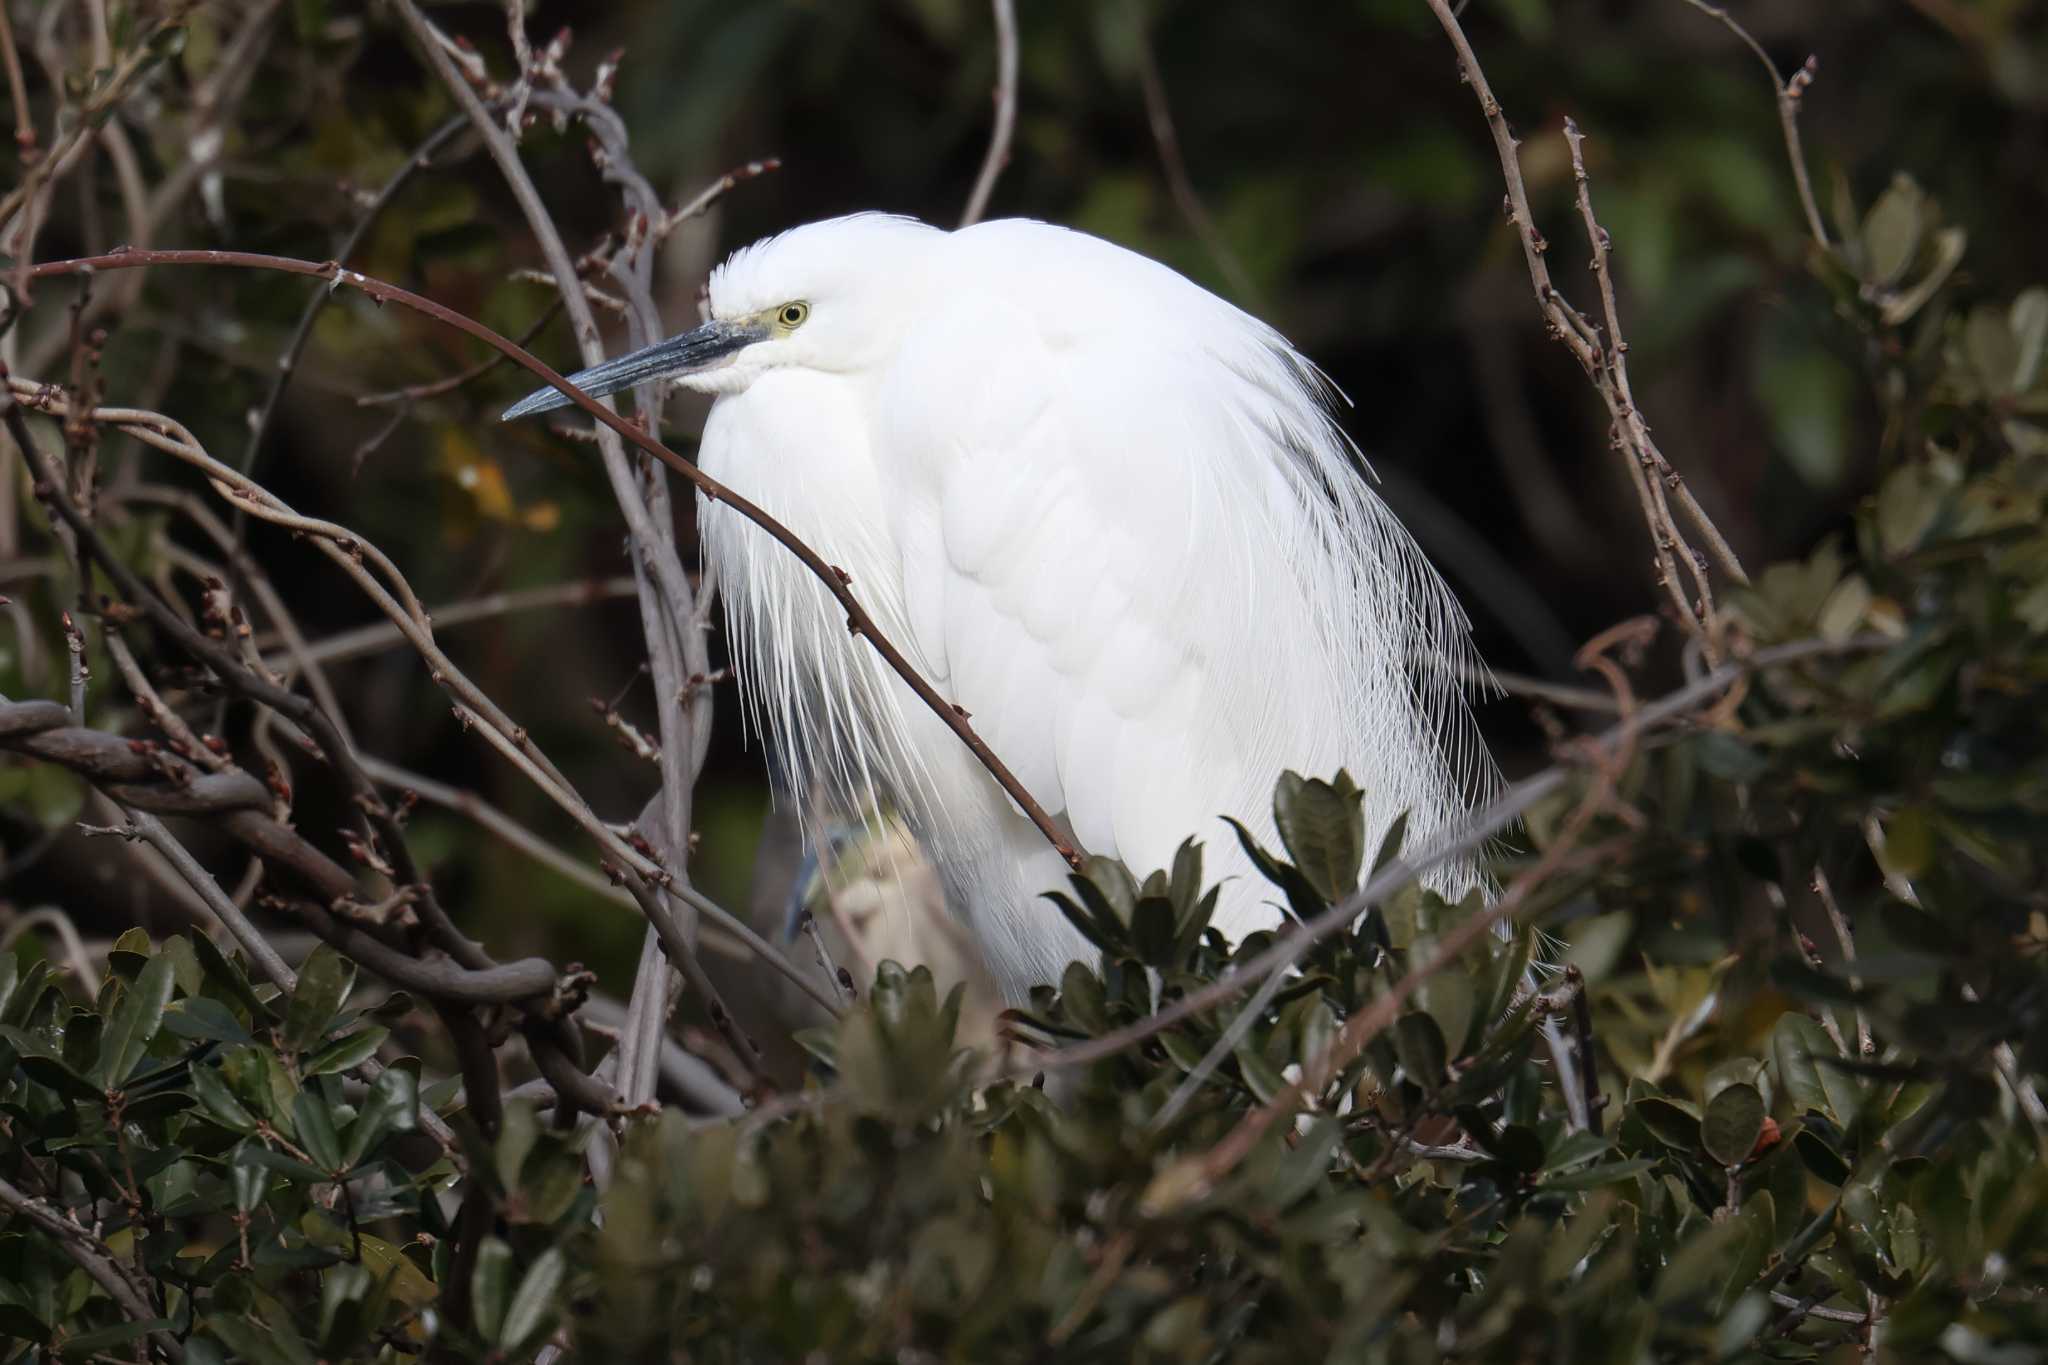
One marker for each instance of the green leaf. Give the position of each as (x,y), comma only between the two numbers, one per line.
(27,994)
(1808,397)
(408,1283)
(203,1017)
(1597,943)
(282,1163)
(1823,1160)
(227,976)
(490,1289)
(1992,349)
(251,1178)
(104,1340)
(518,1131)
(1908,847)
(1892,230)
(533,1303)
(184,964)
(1758,1220)
(1391,842)
(1084,920)
(1699,1263)
(1322,826)
(135,1022)
(1447,997)
(316,1131)
(349,1050)
(1152,930)
(392,1106)
(1672,1122)
(324,983)
(2029,321)
(1420,1045)
(263,1345)
(1733,1122)
(1593,1177)
(1796,1040)
(1949,245)
(219,1102)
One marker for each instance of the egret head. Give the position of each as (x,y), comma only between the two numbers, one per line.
(832,296)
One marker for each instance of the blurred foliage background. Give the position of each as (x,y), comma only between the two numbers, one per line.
(1342,187)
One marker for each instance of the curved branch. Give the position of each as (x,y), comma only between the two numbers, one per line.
(156,781)
(94,1257)
(1006,113)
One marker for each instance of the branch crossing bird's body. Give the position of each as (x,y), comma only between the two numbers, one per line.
(1105,513)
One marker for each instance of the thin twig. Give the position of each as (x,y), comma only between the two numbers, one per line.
(841,981)
(288,360)
(1788,93)
(1159,114)
(415,393)
(728,932)
(1809,1309)
(1614,359)
(75,955)
(1005,98)
(81,672)
(17,89)
(1603,364)
(97,1260)
(371,639)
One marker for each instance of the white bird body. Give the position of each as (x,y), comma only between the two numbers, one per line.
(1103,512)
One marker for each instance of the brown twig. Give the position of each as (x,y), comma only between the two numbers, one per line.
(859,622)
(701,204)
(1005,99)
(1633,434)
(415,393)
(160,783)
(17,89)
(371,639)
(1159,115)
(97,1260)
(1604,363)
(728,933)
(1788,93)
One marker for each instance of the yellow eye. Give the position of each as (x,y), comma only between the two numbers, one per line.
(793,314)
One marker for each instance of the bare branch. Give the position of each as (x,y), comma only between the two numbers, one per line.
(1005,97)
(1159,113)
(97,1260)
(371,639)
(1604,363)
(1788,93)
(288,360)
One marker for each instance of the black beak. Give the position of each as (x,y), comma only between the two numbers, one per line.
(693,350)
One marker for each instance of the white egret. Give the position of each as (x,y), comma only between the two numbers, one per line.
(1106,513)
